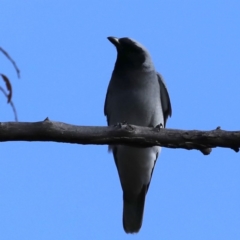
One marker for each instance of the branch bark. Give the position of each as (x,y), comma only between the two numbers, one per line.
(121,134)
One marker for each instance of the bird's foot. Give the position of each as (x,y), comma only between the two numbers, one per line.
(124,123)
(120,124)
(159,126)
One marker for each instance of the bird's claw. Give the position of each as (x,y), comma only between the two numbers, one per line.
(130,127)
(124,123)
(120,124)
(159,126)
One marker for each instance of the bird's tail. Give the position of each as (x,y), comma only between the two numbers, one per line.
(133,209)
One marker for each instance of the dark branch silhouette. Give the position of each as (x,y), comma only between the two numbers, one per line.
(11,103)
(8,86)
(8,83)
(121,134)
(11,60)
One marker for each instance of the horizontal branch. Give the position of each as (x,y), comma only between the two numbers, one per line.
(121,134)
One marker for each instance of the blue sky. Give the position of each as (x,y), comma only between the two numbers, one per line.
(67,191)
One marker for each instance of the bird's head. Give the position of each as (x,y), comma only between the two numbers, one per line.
(131,53)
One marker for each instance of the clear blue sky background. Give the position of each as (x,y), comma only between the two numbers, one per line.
(65,191)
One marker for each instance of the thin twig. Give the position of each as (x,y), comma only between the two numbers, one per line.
(11,103)
(11,60)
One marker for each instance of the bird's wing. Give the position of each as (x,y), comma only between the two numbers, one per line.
(105,106)
(165,100)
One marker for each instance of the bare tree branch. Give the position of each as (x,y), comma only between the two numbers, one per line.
(9,87)
(8,83)
(122,134)
(11,103)
(11,60)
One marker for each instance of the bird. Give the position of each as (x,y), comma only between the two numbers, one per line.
(136,95)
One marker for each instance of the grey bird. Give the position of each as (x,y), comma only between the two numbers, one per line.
(136,95)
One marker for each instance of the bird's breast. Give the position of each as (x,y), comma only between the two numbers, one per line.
(137,104)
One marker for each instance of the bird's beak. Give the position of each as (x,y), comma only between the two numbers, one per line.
(114,41)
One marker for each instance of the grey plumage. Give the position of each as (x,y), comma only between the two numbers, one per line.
(136,95)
